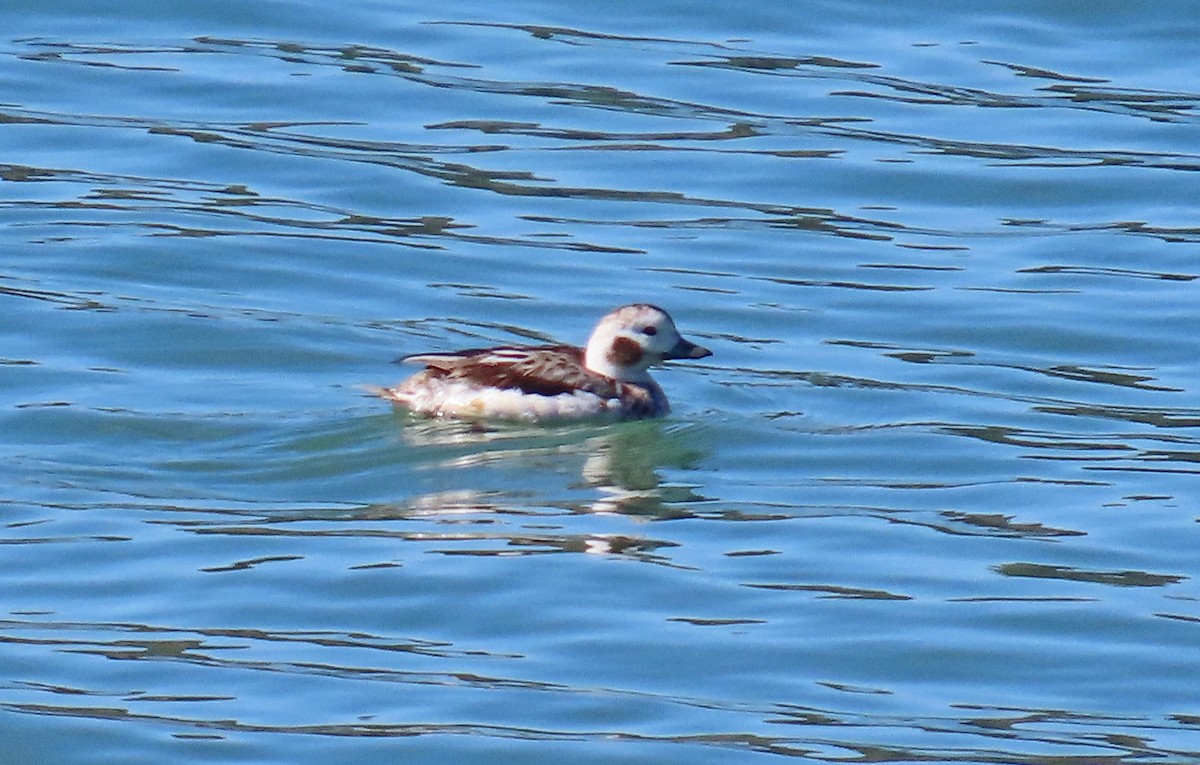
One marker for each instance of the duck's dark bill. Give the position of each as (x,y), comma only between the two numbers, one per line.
(687,350)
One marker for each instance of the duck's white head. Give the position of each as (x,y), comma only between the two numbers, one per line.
(633,338)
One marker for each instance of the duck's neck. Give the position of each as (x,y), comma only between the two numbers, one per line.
(602,365)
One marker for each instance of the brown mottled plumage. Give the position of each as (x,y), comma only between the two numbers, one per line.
(542,370)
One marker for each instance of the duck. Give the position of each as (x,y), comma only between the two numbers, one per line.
(609,377)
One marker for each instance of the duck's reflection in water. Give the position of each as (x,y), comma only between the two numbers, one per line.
(603,469)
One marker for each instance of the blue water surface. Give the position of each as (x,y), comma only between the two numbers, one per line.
(933,498)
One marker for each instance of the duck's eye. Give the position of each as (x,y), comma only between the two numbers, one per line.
(651,331)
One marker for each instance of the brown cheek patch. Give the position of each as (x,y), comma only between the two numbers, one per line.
(624,352)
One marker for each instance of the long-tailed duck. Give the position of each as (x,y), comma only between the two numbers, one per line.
(553,382)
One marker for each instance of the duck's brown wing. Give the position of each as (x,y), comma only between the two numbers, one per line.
(545,371)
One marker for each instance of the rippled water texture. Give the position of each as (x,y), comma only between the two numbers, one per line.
(932,499)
